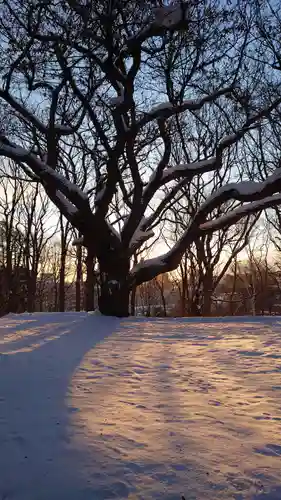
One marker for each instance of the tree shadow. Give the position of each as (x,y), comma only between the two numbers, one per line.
(37,460)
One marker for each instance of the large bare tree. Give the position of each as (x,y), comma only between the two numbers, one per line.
(108,78)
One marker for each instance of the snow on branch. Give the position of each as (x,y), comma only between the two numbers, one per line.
(69,208)
(243,191)
(235,215)
(166,18)
(169,15)
(184,171)
(161,107)
(167,109)
(70,187)
(213,163)
(197,168)
(26,113)
(139,237)
(43,171)
(259,194)
(156,262)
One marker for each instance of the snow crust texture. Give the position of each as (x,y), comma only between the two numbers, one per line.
(99,408)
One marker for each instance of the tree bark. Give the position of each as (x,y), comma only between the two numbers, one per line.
(115,291)
(207,303)
(194,308)
(133,294)
(90,282)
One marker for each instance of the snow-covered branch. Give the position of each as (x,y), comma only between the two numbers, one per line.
(261,197)
(214,163)
(140,237)
(189,169)
(166,110)
(45,173)
(31,118)
(243,191)
(166,18)
(235,215)
(170,16)
(69,208)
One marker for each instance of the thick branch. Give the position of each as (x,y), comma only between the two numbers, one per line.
(46,174)
(167,110)
(235,215)
(31,118)
(243,191)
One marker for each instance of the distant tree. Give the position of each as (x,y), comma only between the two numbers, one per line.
(252,285)
(12,273)
(79,277)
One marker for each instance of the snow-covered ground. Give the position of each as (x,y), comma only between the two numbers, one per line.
(94,408)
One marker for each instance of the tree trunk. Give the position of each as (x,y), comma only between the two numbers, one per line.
(194,308)
(115,292)
(90,282)
(31,290)
(207,303)
(133,292)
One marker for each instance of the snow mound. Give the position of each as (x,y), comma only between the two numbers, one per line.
(96,312)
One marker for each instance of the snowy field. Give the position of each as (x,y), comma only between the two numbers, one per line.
(94,408)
